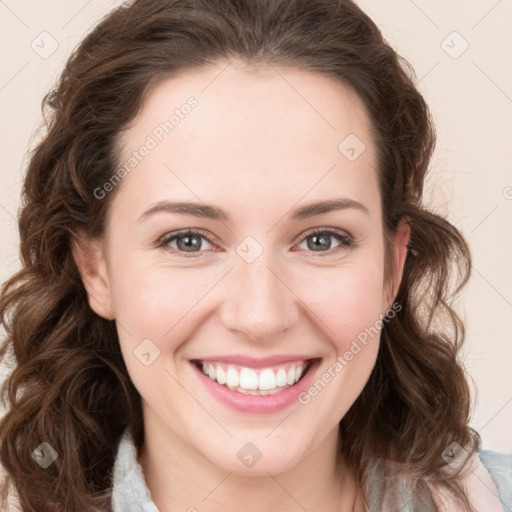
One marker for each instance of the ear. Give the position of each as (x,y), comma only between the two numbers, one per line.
(90,260)
(398,255)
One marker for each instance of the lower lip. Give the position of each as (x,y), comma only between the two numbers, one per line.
(257,404)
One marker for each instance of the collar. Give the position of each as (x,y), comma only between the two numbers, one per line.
(130,492)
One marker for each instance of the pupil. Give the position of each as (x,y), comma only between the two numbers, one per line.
(321,241)
(187,245)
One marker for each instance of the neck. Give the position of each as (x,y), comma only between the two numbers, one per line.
(179,478)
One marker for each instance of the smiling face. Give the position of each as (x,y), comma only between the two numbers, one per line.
(264,282)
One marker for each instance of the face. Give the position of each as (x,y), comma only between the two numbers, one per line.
(252,285)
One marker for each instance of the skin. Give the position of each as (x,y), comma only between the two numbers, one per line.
(261,142)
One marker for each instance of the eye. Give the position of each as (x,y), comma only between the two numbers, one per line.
(319,240)
(187,241)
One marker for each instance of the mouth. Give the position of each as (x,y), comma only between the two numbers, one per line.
(247,380)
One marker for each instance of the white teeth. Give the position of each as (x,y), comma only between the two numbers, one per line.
(247,381)
(221,375)
(280,378)
(232,378)
(267,380)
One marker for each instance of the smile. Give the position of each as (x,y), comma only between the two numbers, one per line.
(255,385)
(254,381)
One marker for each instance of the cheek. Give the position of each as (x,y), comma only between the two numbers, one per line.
(347,300)
(159,305)
(348,306)
(154,302)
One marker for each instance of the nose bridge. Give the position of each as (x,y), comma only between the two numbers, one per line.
(258,302)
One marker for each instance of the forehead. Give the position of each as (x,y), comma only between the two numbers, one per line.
(255,133)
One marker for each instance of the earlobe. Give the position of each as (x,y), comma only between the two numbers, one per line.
(399,254)
(90,261)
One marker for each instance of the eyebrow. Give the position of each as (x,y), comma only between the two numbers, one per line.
(213,212)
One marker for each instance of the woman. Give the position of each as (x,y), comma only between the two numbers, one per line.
(231,290)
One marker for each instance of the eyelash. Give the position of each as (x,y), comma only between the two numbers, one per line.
(346,240)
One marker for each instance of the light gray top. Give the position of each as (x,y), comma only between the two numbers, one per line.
(131,494)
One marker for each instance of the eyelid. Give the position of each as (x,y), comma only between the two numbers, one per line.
(346,240)
(161,242)
(331,231)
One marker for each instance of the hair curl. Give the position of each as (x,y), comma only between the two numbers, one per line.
(69,386)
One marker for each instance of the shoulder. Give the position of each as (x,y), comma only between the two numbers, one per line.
(488,483)
(499,467)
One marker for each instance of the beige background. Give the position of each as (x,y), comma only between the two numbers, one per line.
(460,50)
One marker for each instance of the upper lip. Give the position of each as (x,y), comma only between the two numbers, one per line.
(256,362)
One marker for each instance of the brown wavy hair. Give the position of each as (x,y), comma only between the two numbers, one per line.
(69,385)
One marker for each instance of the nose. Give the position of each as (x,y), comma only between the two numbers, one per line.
(259,302)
